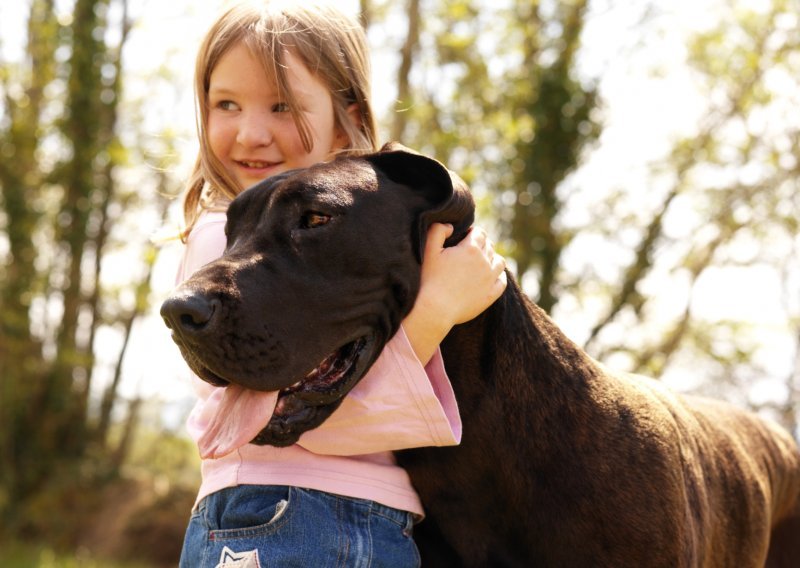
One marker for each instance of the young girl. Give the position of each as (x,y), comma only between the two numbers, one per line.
(280,87)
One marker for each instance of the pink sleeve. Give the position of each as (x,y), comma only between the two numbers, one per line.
(399,404)
(206,242)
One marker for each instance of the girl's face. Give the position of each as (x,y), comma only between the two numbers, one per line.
(250,128)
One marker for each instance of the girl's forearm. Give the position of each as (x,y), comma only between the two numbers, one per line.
(425,329)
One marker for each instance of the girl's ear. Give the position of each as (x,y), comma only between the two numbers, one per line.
(354,115)
(342,140)
(445,196)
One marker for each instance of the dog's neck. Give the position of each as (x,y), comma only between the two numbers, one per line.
(515,332)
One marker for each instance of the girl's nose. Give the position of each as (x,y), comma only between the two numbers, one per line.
(254,131)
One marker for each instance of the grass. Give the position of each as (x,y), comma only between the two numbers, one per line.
(16,555)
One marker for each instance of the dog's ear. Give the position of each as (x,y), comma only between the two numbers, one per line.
(446,197)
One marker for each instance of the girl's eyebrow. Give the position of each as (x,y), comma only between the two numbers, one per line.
(221,90)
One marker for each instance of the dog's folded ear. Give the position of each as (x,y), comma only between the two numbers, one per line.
(447,198)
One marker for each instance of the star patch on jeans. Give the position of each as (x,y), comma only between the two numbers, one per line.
(231,559)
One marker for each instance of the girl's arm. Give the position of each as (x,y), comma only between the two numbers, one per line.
(457,284)
(402,403)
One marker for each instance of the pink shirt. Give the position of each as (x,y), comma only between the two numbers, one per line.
(398,404)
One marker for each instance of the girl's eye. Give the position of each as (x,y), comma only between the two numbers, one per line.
(280,107)
(314,219)
(226,105)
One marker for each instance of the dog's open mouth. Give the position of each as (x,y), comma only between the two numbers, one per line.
(308,402)
(324,383)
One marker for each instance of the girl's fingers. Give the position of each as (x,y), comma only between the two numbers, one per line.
(498,263)
(479,237)
(437,235)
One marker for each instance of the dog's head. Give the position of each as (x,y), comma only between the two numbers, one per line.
(320,268)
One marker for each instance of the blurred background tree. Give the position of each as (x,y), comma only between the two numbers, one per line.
(56,213)
(502,94)
(673,252)
(724,197)
(66,190)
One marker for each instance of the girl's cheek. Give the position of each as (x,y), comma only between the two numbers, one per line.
(220,137)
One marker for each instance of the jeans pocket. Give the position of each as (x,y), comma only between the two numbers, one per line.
(252,511)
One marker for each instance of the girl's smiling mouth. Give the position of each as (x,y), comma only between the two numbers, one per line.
(256,164)
(250,172)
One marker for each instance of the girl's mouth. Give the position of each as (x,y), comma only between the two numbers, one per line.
(250,172)
(256,165)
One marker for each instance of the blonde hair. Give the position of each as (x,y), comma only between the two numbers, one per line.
(333,47)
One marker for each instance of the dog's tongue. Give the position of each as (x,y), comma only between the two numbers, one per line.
(240,415)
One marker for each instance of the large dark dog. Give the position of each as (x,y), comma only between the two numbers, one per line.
(562,463)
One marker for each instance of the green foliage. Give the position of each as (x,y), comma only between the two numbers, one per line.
(496,93)
(561,114)
(730,198)
(137,513)
(510,116)
(16,555)
(171,457)
(60,207)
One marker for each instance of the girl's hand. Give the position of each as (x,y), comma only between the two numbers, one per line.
(457,284)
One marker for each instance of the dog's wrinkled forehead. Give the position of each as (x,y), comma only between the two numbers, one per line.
(333,184)
(330,184)
(395,179)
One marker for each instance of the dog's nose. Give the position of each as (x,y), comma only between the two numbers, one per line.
(189,313)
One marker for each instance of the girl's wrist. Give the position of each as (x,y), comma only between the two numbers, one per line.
(425,328)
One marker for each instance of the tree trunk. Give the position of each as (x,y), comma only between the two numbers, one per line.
(404,70)
(560,110)
(21,179)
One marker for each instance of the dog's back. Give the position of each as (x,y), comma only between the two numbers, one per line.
(565,463)
(742,477)
(758,464)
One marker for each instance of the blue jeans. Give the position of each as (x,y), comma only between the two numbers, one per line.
(257,526)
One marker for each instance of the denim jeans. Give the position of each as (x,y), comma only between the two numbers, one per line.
(256,526)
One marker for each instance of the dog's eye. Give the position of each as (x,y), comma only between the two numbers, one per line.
(313,219)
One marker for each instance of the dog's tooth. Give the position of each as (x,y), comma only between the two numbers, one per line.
(291,388)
